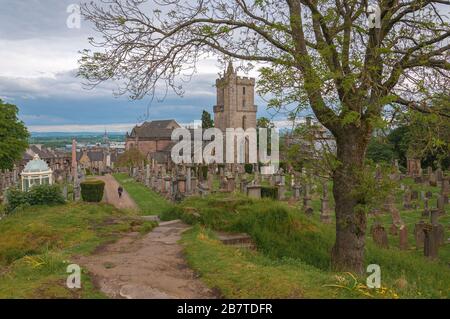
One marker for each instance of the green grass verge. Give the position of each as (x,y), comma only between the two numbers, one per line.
(286,237)
(149,202)
(37,244)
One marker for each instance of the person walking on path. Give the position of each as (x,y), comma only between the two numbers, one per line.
(120,191)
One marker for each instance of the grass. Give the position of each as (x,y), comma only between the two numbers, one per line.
(37,244)
(245,274)
(289,244)
(149,202)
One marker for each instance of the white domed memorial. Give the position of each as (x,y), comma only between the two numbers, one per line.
(36,172)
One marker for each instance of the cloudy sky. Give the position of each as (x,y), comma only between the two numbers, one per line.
(38,63)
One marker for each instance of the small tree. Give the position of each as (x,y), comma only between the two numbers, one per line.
(13,136)
(130,159)
(207,121)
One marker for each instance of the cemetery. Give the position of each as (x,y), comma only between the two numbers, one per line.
(259,149)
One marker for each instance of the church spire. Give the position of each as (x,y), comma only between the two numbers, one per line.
(230,69)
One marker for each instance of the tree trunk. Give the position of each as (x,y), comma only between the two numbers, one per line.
(348,250)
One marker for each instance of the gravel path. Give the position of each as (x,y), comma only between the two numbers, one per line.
(112,196)
(149,267)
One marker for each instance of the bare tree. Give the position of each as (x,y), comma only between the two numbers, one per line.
(320,54)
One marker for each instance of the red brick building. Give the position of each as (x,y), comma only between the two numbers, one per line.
(153,139)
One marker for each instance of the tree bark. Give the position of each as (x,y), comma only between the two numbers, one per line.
(351,223)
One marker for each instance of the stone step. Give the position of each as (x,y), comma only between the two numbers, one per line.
(152,218)
(236,240)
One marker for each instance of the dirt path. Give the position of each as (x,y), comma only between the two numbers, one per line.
(149,267)
(112,197)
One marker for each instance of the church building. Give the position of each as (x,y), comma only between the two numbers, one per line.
(235,108)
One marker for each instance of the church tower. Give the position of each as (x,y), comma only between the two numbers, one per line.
(235,101)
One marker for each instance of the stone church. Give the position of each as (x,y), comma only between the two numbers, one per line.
(235,101)
(235,108)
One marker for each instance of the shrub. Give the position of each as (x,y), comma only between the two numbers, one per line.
(38,195)
(269,192)
(92,191)
(45,195)
(248,168)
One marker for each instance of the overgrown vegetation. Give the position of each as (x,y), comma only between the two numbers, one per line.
(37,195)
(285,237)
(37,244)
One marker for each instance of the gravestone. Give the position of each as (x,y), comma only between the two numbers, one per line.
(325,209)
(147,175)
(438,229)
(430,244)
(65,192)
(432,179)
(210,182)
(281,191)
(403,233)
(231,184)
(194,185)
(419,234)
(307,208)
(296,192)
(445,190)
(407,200)
(189,181)
(379,235)
(203,189)
(439,175)
(426,210)
(441,204)
(413,167)
(254,191)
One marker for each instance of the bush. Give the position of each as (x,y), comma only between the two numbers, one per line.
(269,192)
(38,195)
(248,168)
(45,195)
(92,191)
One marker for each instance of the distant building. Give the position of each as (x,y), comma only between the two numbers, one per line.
(153,139)
(59,162)
(98,160)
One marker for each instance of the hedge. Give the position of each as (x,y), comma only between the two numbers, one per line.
(269,192)
(92,191)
